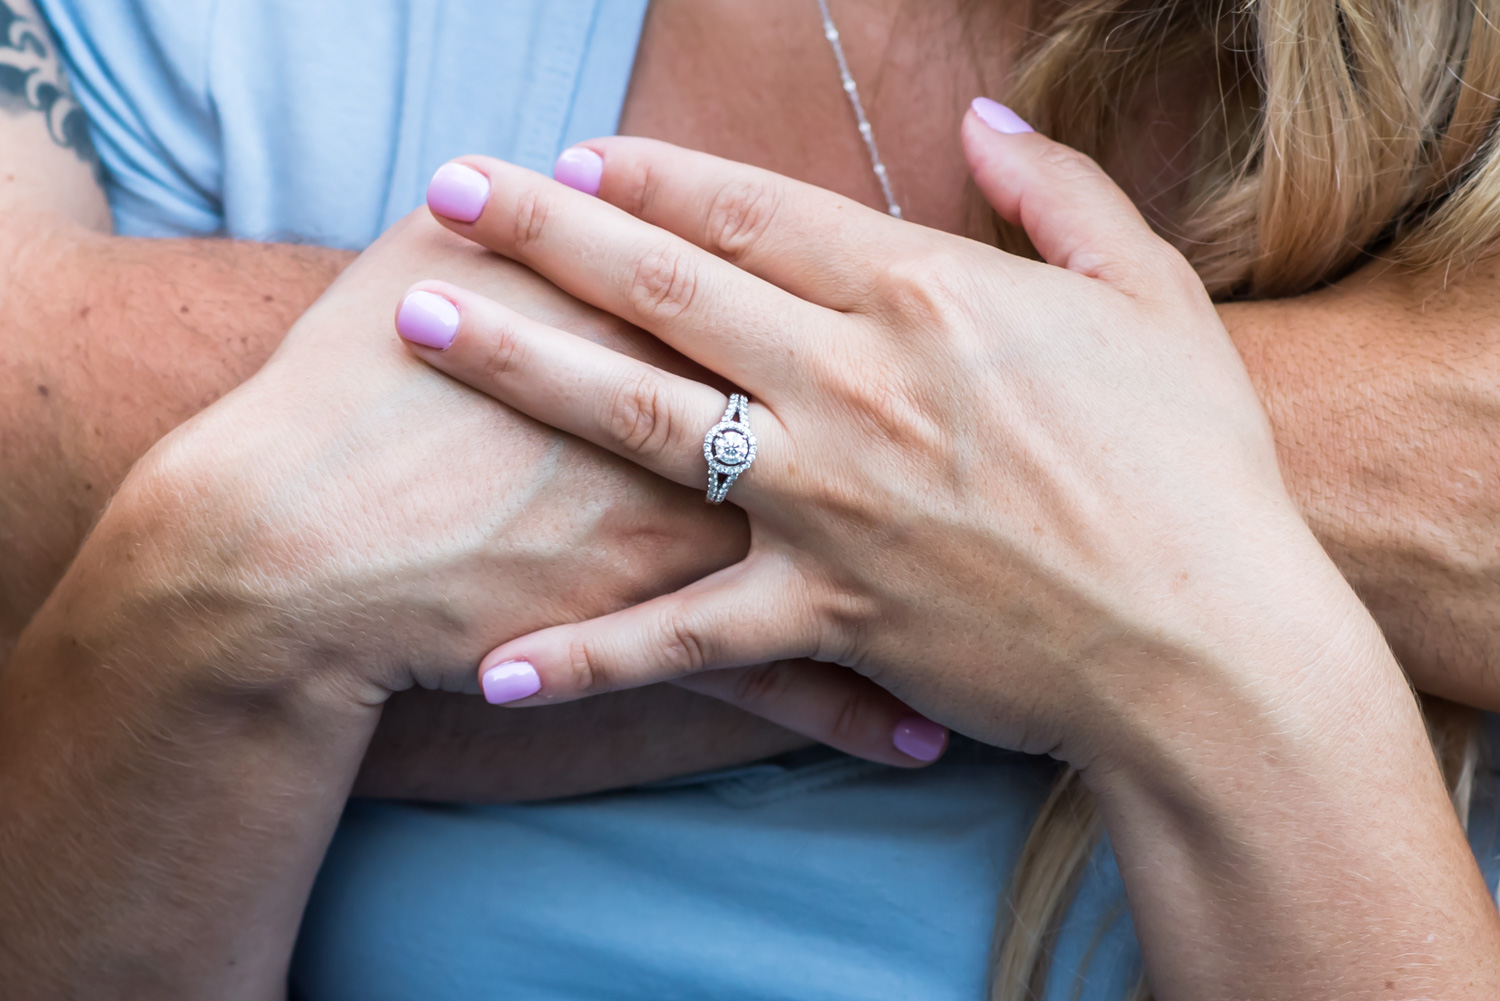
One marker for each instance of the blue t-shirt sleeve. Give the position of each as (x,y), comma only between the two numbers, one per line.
(143,80)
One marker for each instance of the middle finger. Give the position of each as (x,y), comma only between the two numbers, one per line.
(727,320)
(641,413)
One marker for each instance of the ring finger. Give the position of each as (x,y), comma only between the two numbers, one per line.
(642,413)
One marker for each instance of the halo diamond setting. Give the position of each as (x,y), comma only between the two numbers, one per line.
(729,448)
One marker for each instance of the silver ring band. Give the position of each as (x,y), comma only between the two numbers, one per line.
(729,447)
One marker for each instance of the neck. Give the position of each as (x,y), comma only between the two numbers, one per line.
(758,83)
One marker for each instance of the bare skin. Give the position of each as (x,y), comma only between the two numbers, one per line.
(112,342)
(1295,379)
(1084,548)
(191,319)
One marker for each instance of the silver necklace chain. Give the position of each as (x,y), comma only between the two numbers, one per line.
(831,32)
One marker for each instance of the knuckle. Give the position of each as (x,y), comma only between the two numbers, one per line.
(532,210)
(664,284)
(503,353)
(639,417)
(683,646)
(925,292)
(738,217)
(843,621)
(882,402)
(638,185)
(586,667)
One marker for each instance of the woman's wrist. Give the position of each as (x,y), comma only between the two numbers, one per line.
(1293,808)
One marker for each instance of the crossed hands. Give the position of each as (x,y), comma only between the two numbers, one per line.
(1037,501)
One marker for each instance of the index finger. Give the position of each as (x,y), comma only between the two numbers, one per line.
(812,242)
(724,318)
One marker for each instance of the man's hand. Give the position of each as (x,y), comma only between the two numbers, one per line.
(109,343)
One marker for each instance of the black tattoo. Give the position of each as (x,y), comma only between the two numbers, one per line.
(31,79)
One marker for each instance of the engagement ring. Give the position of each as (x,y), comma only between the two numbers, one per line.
(729,448)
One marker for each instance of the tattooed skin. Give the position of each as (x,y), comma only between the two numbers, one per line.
(31,79)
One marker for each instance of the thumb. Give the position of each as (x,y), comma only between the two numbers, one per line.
(1076,216)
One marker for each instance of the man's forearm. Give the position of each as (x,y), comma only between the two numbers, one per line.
(1385,396)
(441,747)
(109,344)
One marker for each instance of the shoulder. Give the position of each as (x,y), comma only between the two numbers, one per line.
(139,69)
(244,116)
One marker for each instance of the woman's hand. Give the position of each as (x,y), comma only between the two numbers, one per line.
(1038,501)
(345,484)
(1028,497)
(181,724)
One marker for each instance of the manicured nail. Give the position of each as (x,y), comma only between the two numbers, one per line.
(511,681)
(458,192)
(580,168)
(998,117)
(428,320)
(919,737)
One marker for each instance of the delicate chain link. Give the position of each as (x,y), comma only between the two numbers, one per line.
(831,32)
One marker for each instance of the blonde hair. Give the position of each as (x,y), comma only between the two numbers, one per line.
(1338,131)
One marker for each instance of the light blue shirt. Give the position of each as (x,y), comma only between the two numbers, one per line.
(819,877)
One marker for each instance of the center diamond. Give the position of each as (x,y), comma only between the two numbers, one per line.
(731,448)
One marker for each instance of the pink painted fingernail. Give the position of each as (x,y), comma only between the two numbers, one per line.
(428,320)
(457,192)
(581,169)
(1000,118)
(511,681)
(919,737)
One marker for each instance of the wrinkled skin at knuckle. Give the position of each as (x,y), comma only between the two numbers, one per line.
(395,500)
(738,218)
(664,283)
(529,224)
(927,294)
(639,417)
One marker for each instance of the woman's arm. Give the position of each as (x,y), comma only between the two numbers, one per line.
(181,723)
(1040,502)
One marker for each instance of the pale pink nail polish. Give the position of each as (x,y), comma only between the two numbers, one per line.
(428,320)
(998,117)
(581,169)
(457,192)
(920,738)
(511,681)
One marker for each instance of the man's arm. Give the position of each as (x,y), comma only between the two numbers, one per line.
(1384,392)
(111,342)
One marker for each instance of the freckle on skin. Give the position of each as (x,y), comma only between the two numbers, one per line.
(42,391)
(268,298)
(184,310)
(83,314)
